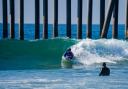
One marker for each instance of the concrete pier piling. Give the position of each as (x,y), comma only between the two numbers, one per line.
(68,20)
(21,24)
(55,25)
(102,14)
(37,19)
(107,19)
(12,16)
(5,19)
(45,19)
(79,19)
(115,20)
(126,25)
(89,23)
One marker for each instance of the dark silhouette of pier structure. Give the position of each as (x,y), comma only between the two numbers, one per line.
(112,12)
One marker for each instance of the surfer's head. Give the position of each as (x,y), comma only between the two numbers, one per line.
(104,64)
(69,49)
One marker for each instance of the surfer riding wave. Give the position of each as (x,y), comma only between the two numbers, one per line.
(68,54)
(67,59)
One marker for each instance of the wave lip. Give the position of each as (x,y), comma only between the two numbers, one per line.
(103,50)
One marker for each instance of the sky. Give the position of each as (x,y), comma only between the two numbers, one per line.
(30,10)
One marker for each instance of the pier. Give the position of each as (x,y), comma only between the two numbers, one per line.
(111,13)
(5,19)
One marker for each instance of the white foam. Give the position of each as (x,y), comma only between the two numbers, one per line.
(89,51)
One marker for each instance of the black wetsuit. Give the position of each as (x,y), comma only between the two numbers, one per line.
(69,55)
(105,72)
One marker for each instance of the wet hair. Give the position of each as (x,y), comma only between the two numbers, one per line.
(104,64)
(69,49)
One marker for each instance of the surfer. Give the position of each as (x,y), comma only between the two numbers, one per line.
(68,54)
(105,70)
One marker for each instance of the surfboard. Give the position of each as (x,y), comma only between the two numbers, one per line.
(66,63)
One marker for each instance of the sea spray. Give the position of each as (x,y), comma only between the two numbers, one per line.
(89,51)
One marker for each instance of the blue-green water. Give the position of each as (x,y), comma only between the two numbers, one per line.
(16,54)
(36,64)
(83,78)
(29,31)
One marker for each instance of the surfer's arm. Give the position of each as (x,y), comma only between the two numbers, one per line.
(71,55)
(65,54)
(101,72)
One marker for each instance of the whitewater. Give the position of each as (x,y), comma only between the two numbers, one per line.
(48,53)
(36,64)
(90,51)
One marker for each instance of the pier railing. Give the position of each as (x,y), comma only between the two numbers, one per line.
(104,21)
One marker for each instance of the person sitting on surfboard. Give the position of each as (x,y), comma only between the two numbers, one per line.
(105,70)
(68,54)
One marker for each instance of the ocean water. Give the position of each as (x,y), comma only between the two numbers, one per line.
(29,31)
(36,64)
